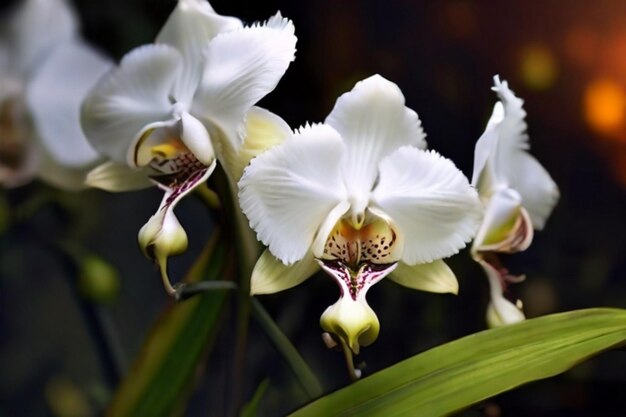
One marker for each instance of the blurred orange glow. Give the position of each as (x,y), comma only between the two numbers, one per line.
(604,106)
(581,46)
(538,67)
(615,53)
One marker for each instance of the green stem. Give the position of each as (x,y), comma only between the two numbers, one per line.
(299,367)
(246,249)
(354,373)
(184,291)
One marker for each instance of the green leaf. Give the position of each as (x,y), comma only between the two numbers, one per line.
(455,375)
(161,379)
(252,407)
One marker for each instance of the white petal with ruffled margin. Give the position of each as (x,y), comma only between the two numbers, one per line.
(373,122)
(434,277)
(538,190)
(189,28)
(270,275)
(129,98)
(484,177)
(430,201)
(54,97)
(241,68)
(288,192)
(36,28)
(501,157)
(111,176)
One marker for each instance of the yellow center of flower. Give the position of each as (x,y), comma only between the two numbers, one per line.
(372,243)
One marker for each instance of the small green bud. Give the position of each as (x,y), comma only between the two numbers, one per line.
(98,280)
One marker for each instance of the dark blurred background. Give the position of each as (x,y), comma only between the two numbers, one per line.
(567,60)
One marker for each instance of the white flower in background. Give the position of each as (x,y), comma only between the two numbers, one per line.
(45,72)
(165,112)
(518,195)
(359,196)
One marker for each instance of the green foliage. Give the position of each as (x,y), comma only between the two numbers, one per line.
(455,375)
(160,381)
(251,408)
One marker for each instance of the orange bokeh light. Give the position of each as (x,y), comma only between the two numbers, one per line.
(604,106)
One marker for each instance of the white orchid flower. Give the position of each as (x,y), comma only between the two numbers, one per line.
(162,114)
(45,71)
(359,196)
(518,195)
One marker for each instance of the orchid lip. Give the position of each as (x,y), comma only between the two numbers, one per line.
(356,282)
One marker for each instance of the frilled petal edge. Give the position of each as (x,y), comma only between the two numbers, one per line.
(288,191)
(429,201)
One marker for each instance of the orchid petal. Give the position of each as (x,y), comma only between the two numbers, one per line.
(37,28)
(111,176)
(243,66)
(502,159)
(327,226)
(430,201)
(270,275)
(54,97)
(538,190)
(129,98)
(190,27)
(483,176)
(288,192)
(434,277)
(196,138)
(373,121)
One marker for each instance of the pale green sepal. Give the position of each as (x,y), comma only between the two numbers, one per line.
(434,277)
(112,176)
(262,130)
(270,275)
(353,321)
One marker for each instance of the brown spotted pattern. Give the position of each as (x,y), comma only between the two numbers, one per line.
(372,243)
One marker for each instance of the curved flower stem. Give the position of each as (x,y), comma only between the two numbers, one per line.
(354,373)
(298,365)
(184,291)
(246,248)
(162,265)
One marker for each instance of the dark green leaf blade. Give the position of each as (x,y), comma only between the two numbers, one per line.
(455,375)
(161,379)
